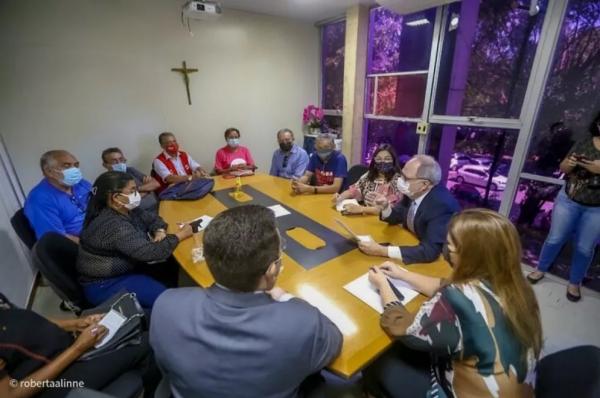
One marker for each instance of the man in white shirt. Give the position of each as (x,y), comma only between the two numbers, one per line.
(172,165)
(425,210)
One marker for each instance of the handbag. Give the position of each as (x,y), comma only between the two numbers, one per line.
(188,190)
(130,332)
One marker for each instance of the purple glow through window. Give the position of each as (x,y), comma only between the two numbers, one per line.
(333,37)
(395,45)
(487,59)
(400,135)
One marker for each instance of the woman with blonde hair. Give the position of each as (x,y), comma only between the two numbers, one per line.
(481,327)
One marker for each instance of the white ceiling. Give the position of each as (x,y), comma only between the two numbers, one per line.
(302,10)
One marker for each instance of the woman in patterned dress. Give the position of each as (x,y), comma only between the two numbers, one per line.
(382,178)
(479,335)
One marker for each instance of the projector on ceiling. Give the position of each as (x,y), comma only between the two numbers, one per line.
(404,7)
(199,9)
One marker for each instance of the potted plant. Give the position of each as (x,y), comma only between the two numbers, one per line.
(312,117)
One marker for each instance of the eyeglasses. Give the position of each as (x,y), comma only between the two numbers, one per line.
(285,161)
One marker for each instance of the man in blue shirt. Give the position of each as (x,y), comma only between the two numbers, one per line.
(59,202)
(289,161)
(328,166)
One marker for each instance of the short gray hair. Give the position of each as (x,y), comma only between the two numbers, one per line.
(326,137)
(49,158)
(283,131)
(429,169)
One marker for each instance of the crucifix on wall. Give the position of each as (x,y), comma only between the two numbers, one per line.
(185,71)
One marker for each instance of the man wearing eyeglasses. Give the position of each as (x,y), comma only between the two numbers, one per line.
(289,161)
(425,210)
(114,160)
(58,203)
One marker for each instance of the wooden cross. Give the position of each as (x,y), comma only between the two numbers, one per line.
(185,71)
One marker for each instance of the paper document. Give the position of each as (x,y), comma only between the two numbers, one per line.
(279,210)
(355,237)
(362,288)
(113,322)
(340,206)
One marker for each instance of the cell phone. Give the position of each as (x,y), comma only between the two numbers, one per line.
(195,225)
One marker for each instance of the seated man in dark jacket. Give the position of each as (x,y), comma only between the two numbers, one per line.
(425,210)
(241,337)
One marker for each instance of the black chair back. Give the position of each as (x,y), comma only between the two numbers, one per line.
(55,256)
(21,225)
(574,372)
(354,174)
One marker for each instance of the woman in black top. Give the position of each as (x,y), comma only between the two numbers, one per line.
(118,241)
(576,211)
(34,349)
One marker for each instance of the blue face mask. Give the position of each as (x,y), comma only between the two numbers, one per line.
(233,142)
(324,154)
(71,176)
(122,167)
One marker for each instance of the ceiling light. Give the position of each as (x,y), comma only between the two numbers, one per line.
(418,22)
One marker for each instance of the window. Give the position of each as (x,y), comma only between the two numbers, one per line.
(398,54)
(468,155)
(400,135)
(569,103)
(398,62)
(333,37)
(571,96)
(487,57)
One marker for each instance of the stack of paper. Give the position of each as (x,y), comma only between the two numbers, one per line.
(362,288)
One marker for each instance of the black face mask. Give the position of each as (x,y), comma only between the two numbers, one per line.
(286,146)
(446,255)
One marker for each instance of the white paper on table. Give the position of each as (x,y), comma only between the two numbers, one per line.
(364,290)
(340,206)
(279,210)
(113,322)
(364,238)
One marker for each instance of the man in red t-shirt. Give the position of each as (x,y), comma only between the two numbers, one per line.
(172,165)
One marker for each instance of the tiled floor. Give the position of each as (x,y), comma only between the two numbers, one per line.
(565,324)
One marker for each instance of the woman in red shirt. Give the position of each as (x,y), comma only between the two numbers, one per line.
(233,156)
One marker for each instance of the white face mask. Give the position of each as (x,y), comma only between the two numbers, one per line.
(404,187)
(134,200)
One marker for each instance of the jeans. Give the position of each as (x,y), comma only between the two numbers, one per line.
(571,218)
(145,288)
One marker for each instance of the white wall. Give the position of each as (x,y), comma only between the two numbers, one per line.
(87,74)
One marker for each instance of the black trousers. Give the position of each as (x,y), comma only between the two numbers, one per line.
(99,372)
(400,372)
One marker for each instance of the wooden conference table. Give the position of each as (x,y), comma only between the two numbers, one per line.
(323,285)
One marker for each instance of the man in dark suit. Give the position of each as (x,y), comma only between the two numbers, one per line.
(425,210)
(241,337)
